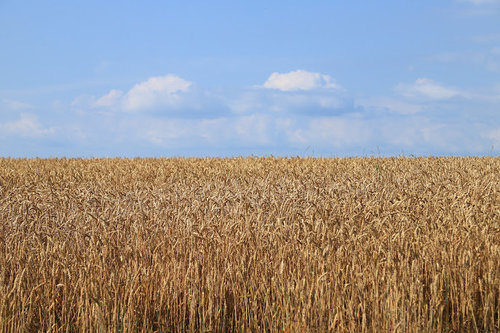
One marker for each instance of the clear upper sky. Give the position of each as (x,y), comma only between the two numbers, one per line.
(224,78)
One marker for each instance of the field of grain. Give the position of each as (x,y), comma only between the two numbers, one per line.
(250,244)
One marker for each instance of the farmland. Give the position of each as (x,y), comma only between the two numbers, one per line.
(256,244)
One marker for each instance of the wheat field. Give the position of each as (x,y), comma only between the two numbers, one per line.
(250,244)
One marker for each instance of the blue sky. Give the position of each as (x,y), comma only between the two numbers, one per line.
(226,78)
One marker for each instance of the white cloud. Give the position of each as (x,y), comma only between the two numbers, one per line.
(110,99)
(426,89)
(156,91)
(27,126)
(312,102)
(300,80)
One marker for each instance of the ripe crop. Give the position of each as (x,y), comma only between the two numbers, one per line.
(258,244)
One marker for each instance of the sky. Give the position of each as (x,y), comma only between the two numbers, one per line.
(239,78)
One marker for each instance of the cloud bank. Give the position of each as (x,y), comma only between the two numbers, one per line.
(169,115)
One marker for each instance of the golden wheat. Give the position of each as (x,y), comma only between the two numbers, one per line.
(250,244)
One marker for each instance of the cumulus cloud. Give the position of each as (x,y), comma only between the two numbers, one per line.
(110,99)
(160,92)
(156,91)
(300,80)
(424,88)
(297,92)
(27,126)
